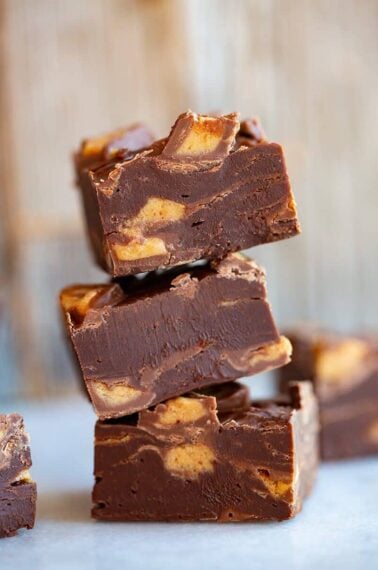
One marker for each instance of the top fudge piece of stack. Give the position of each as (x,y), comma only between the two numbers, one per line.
(214,186)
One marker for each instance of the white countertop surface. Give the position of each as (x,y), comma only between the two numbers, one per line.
(338,527)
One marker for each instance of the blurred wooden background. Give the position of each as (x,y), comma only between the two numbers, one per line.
(71,68)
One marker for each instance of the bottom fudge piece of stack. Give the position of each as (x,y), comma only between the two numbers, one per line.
(344,373)
(17,491)
(176,439)
(211,456)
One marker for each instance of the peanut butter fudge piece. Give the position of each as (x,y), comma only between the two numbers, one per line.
(17,490)
(344,371)
(146,339)
(186,460)
(211,187)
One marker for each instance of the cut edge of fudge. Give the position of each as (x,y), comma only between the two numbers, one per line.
(131,238)
(18,491)
(256,461)
(238,338)
(217,135)
(78,299)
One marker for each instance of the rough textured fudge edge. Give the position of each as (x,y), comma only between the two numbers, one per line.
(113,147)
(305,438)
(18,492)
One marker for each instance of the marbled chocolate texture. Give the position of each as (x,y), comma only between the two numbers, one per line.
(344,371)
(187,461)
(17,490)
(213,186)
(143,340)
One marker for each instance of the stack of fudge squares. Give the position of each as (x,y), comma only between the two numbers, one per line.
(161,346)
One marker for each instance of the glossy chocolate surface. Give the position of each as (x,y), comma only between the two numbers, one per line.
(213,186)
(144,340)
(186,460)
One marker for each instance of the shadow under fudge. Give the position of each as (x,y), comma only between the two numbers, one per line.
(344,372)
(68,506)
(143,340)
(213,186)
(209,457)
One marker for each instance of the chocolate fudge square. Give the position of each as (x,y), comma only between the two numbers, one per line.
(17,490)
(344,372)
(213,186)
(203,457)
(143,340)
